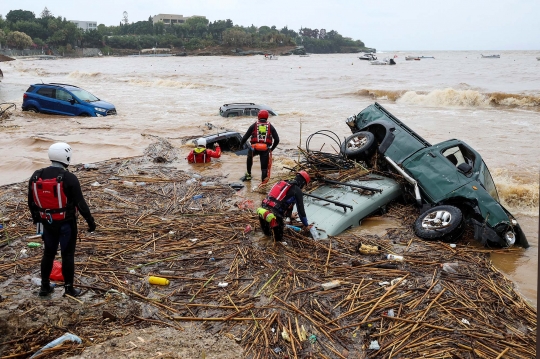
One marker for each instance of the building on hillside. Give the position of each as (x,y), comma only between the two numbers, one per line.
(171,19)
(85,25)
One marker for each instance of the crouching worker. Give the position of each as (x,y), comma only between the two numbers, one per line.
(54,196)
(201,154)
(279,204)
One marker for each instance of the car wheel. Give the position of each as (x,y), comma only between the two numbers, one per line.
(358,145)
(444,223)
(84,114)
(32,109)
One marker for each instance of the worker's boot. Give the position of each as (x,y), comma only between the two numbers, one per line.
(74,292)
(247,177)
(46,289)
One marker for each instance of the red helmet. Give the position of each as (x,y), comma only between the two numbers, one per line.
(263,114)
(304,175)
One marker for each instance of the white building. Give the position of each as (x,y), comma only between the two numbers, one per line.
(85,25)
(171,19)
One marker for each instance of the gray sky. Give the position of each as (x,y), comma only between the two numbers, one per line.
(383,24)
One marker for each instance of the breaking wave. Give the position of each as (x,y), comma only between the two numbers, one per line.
(84,75)
(519,193)
(450,97)
(170,83)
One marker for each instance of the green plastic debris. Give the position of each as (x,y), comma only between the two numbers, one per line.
(312,338)
(34,244)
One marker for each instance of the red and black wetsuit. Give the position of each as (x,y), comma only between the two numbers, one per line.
(64,230)
(270,138)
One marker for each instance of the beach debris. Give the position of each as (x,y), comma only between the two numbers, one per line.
(394,257)
(368,249)
(374,345)
(66,337)
(331,285)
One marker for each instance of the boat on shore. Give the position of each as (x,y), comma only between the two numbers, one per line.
(411,58)
(538,58)
(270,57)
(491,56)
(385,61)
(369,56)
(426,57)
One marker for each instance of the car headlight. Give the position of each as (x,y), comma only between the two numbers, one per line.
(99,109)
(514,222)
(510,238)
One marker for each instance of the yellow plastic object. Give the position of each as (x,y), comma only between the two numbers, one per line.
(158,280)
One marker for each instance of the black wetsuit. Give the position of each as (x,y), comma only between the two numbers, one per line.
(294,196)
(65,231)
(265,155)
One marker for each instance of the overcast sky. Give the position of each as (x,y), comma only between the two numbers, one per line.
(382,24)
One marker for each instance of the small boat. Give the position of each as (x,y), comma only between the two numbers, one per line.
(491,56)
(410,58)
(386,61)
(426,57)
(538,58)
(369,56)
(270,57)
(306,55)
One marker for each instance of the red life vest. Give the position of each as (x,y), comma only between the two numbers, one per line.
(261,133)
(277,194)
(197,153)
(49,197)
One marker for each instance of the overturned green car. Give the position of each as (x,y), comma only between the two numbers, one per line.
(449,181)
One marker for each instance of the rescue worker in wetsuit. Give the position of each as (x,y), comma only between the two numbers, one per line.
(264,139)
(54,197)
(201,154)
(279,204)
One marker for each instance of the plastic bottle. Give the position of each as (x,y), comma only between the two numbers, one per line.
(140,183)
(394,257)
(208,184)
(128,183)
(34,244)
(196,176)
(198,196)
(450,267)
(294,228)
(110,191)
(66,337)
(314,232)
(191,181)
(90,166)
(158,280)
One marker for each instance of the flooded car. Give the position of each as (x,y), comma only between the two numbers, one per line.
(450,182)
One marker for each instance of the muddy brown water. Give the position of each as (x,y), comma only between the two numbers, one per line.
(493,105)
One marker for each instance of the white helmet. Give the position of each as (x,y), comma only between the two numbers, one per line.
(201,142)
(60,152)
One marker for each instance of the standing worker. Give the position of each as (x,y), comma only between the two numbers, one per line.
(54,196)
(202,155)
(279,204)
(264,139)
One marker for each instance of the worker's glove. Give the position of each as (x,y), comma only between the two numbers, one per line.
(91,225)
(304,221)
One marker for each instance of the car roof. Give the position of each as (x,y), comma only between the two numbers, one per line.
(246,104)
(55,84)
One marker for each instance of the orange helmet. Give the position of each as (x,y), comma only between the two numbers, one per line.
(305,176)
(263,114)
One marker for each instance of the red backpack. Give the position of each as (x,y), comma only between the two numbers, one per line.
(49,197)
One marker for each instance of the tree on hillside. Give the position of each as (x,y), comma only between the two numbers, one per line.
(236,37)
(2,37)
(46,13)
(19,40)
(20,15)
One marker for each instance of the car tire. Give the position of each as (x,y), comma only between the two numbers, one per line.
(359,145)
(84,114)
(443,223)
(32,109)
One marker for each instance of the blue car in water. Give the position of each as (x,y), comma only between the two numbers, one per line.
(63,99)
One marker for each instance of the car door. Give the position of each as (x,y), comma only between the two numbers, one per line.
(63,104)
(46,99)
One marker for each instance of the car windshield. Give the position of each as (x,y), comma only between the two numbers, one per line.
(84,95)
(487,181)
